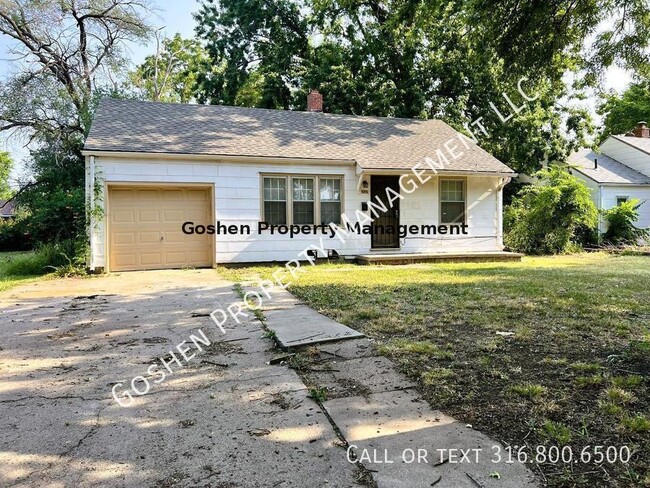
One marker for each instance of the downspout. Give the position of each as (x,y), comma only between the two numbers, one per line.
(499,197)
(91,227)
(600,212)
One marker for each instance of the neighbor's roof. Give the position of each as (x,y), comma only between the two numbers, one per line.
(7,209)
(373,142)
(609,170)
(641,143)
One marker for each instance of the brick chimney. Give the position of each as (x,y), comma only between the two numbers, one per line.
(642,130)
(314,101)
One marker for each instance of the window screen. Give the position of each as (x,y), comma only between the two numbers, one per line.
(330,200)
(452,201)
(275,200)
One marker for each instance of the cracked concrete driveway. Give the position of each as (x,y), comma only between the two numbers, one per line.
(225,419)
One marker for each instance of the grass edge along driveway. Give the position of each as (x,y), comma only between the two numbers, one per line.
(549,353)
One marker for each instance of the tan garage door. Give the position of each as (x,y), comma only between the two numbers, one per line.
(145,227)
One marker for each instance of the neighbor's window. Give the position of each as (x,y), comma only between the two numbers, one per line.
(620,200)
(275,200)
(452,201)
(303,200)
(330,200)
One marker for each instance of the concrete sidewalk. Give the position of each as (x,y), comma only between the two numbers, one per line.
(390,429)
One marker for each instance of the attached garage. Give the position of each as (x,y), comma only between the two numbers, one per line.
(145,227)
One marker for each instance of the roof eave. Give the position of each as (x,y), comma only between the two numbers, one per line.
(399,171)
(167,156)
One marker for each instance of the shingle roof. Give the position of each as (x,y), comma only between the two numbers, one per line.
(373,142)
(642,143)
(609,170)
(7,209)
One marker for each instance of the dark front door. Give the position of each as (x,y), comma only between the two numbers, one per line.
(385,228)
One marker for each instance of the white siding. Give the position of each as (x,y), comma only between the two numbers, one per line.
(606,199)
(610,193)
(626,154)
(237,201)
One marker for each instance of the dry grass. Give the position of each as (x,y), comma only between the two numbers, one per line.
(574,372)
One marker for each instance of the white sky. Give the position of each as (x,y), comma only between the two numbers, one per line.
(176,16)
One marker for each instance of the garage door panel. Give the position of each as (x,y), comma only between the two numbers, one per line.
(173,215)
(197,195)
(200,255)
(148,237)
(139,217)
(148,216)
(125,260)
(199,216)
(126,238)
(123,216)
(151,259)
(171,196)
(148,197)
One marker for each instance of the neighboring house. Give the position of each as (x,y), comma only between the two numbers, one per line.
(620,171)
(7,210)
(157,166)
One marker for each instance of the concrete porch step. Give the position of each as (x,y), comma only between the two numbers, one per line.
(410,258)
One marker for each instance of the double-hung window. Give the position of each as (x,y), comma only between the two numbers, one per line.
(452,201)
(275,200)
(330,200)
(301,200)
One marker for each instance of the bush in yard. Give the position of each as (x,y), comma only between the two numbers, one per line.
(620,224)
(14,236)
(551,217)
(63,258)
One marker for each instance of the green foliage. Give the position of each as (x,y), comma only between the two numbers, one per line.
(5,171)
(318,394)
(556,432)
(14,235)
(55,202)
(47,258)
(620,224)
(623,111)
(529,390)
(448,60)
(546,218)
(171,74)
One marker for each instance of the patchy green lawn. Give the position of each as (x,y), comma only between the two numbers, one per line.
(16,268)
(550,351)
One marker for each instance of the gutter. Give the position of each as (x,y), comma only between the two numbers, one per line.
(215,158)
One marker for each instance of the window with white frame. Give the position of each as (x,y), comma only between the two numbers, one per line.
(301,200)
(452,201)
(621,200)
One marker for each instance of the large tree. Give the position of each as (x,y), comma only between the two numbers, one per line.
(67,53)
(170,74)
(450,59)
(64,49)
(623,111)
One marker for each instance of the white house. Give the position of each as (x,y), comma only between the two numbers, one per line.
(161,177)
(618,171)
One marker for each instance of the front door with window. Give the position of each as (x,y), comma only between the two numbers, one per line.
(385,228)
